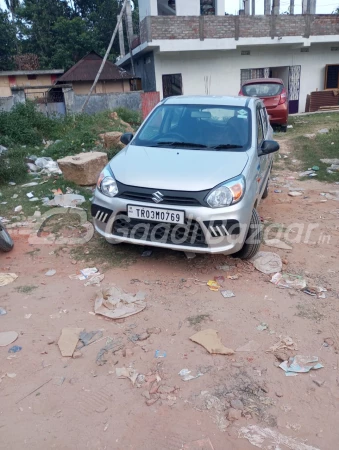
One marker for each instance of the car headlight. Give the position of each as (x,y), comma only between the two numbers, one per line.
(107,183)
(227,194)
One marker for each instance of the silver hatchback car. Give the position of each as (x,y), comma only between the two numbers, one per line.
(191,178)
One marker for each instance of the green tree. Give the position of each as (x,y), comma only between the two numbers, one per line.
(7,41)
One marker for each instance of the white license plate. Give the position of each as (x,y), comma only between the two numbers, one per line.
(156,214)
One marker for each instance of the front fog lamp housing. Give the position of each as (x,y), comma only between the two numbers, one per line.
(227,193)
(107,184)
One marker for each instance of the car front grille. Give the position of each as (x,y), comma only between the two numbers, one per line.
(188,234)
(219,228)
(166,200)
(100,213)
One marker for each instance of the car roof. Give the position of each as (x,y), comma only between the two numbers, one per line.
(221,100)
(263,80)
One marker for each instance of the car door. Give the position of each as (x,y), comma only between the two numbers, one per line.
(262,134)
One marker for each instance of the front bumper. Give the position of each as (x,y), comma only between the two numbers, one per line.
(206,230)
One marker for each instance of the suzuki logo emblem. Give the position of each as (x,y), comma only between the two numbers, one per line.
(157,197)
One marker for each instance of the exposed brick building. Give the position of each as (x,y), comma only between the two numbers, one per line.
(191,47)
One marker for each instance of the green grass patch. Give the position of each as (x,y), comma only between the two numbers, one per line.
(28,289)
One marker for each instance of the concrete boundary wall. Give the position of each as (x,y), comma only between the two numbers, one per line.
(102,102)
(6,103)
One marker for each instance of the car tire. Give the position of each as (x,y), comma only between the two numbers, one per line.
(6,242)
(253,239)
(265,193)
(283,128)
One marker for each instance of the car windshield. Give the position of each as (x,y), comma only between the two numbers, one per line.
(205,127)
(262,89)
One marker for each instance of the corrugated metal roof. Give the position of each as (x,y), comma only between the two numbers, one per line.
(87,68)
(323,98)
(30,72)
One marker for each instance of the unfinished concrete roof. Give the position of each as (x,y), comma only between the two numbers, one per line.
(87,68)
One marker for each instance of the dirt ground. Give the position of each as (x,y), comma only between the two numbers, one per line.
(56,402)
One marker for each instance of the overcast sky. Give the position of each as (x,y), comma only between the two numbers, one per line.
(231,6)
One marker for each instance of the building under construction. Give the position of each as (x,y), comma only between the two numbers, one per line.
(191,47)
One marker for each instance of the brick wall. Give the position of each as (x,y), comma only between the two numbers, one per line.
(220,27)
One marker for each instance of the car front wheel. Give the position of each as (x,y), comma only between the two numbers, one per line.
(253,239)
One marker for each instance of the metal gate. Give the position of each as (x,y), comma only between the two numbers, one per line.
(294,89)
(50,103)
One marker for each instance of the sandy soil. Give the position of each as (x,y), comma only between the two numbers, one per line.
(84,405)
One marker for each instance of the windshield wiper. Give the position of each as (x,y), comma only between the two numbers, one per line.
(226,146)
(178,144)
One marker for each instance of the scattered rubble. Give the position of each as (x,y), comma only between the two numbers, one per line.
(7,337)
(68,340)
(7,278)
(267,262)
(300,364)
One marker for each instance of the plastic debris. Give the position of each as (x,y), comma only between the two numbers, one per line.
(315,291)
(30,195)
(289,281)
(68,340)
(11,375)
(7,337)
(3,149)
(277,191)
(114,303)
(262,327)
(91,274)
(277,243)
(213,285)
(95,280)
(87,338)
(267,262)
(48,165)
(227,294)
(15,349)
(185,375)
(111,345)
(7,278)
(300,364)
(33,183)
(147,253)
(316,168)
(125,372)
(233,277)
(295,194)
(210,340)
(289,126)
(2,311)
(160,354)
(266,438)
(324,131)
(50,273)
(18,208)
(66,200)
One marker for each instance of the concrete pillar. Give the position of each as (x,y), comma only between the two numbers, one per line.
(129,22)
(253,8)
(267,7)
(247,7)
(276,7)
(219,7)
(291,6)
(312,6)
(121,39)
(304,6)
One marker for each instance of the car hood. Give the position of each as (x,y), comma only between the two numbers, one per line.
(175,169)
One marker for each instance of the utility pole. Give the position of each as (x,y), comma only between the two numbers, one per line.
(106,55)
(129,25)
(121,38)
(267,7)
(253,7)
(291,6)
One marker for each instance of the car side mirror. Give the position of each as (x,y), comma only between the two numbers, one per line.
(126,138)
(268,147)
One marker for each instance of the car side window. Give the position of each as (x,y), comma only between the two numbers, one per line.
(260,128)
(264,120)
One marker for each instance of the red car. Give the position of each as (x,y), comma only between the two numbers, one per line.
(274,95)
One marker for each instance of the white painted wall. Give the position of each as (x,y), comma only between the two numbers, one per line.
(223,68)
(188,7)
(219,7)
(147,8)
